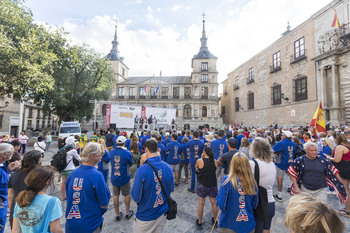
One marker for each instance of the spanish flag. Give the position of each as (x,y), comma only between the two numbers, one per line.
(336,20)
(317,123)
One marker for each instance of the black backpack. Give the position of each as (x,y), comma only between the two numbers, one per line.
(58,160)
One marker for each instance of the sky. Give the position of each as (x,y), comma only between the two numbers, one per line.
(164,35)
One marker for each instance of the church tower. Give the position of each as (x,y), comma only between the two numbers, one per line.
(117,62)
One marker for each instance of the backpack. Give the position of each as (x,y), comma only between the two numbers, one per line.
(299,152)
(58,160)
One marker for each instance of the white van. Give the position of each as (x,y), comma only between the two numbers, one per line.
(69,128)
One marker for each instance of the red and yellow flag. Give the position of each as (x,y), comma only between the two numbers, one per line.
(336,20)
(317,123)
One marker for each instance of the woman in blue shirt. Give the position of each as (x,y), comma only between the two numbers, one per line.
(327,148)
(238,197)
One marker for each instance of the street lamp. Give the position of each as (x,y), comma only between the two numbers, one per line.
(6,105)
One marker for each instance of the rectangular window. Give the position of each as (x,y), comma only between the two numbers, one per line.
(30,114)
(1,117)
(121,92)
(236,83)
(277,60)
(165,92)
(204,92)
(276,95)
(251,100)
(204,78)
(29,124)
(299,48)
(237,104)
(38,114)
(132,92)
(43,124)
(123,72)
(187,92)
(204,66)
(153,93)
(176,92)
(251,75)
(301,89)
(223,110)
(142,93)
(37,124)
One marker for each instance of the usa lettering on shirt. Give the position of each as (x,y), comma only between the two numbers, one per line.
(175,152)
(159,198)
(116,165)
(74,211)
(196,148)
(222,146)
(242,216)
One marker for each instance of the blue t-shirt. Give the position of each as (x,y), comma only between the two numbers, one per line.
(30,217)
(314,177)
(173,153)
(162,151)
(203,139)
(145,138)
(103,164)
(219,147)
(196,147)
(325,150)
(147,192)
(166,141)
(121,161)
(287,149)
(179,139)
(237,208)
(184,153)
(4,179)
(239,140)
(87,200)
(115,139)
(127,143)
(109,140)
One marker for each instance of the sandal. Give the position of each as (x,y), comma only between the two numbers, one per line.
(344,213)
(118,218)
(128,216)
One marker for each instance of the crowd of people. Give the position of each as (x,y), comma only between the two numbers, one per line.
(236,169)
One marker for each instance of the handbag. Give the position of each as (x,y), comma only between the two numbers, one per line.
(261,210)
(45,223)
(171,214)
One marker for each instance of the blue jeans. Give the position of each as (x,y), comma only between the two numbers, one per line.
(193,180)
(260,225)
(48,145)
(23,148)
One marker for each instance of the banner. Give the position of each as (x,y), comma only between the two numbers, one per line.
(108,115)
(124,116)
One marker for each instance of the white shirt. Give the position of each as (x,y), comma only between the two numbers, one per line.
(267,176)
(40,146)
(69,159)
(23,139)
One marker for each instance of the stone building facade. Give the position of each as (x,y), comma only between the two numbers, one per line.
(285,82)
(195,97)
(276,86)
(333,61)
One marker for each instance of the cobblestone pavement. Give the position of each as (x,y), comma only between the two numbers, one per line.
(187,210)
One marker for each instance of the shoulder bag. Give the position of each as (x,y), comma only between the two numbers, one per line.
(262,210)
(45,223)
(171,214)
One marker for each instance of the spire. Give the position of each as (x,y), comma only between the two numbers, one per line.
(203,51)
(204,37)
(114,53)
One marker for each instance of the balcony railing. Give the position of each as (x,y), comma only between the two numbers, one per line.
(164,97)
(142,97)
(176,97)
(250,80)
(236,87)
(153,97)
(298,56)
(131,97)
(121,97)
(204,97)
(345,34)
(187,97)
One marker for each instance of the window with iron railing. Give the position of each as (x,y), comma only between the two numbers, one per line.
(251,100)
(250,75)
(276,95)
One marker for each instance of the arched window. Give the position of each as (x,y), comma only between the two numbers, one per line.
(187,110)
(177,110)
(204,111)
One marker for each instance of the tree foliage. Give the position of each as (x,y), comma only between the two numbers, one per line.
(83,75)
(26,60)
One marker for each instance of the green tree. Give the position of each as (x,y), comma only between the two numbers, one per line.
(26,60)
(81,75)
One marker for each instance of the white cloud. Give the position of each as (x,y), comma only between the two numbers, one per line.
(149,8)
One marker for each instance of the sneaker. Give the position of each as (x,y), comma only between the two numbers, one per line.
(199,226)
(277,198)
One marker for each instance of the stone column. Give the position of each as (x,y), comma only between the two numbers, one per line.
(323,87)
(335,111)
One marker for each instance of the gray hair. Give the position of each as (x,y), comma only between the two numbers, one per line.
(307,145)
(261,149)
(6,147)
(89,149)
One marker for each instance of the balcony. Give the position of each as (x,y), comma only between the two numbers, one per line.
(142,97)
(296,57)
(275,68)
(132,97)
(176,97)
(187,97)
(153,97)
(121,97)
(164,97)
(250,80)
(236,87)
(345,34)
(204,97)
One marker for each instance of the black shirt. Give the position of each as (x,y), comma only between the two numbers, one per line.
(109,139)
(207,176)
(226,160)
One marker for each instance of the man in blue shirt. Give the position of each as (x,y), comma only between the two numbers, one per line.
(87,194)
(148,194)
(286,148)
(239,138)
(219,147)
(196,147)
(145,138)
(184,158)
(117,134)
(179,139)
(121,161)
(173,158)
(161,148)
(109,140)
(167,139)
